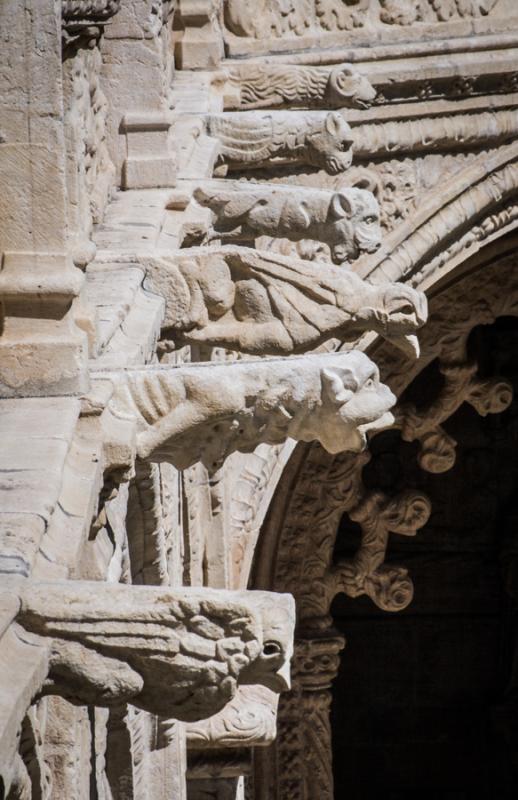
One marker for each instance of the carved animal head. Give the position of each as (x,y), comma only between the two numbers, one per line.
(330,145)
(271,667)
(396,311)
(356,227)
(347,87)
(353,403)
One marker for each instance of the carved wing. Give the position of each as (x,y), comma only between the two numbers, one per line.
(243,140)
(312,300)
(144,620)
(174,653)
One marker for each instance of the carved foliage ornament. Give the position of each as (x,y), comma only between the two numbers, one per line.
(180,653)
(288,18)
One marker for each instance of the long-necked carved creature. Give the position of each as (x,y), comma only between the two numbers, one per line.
(348,221)
(175,652)
(196,413)
(267,304)
(253,139)
(270,85)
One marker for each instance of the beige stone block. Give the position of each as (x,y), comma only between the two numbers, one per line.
(150,163)
(20,536)
(32,206)
(34,367)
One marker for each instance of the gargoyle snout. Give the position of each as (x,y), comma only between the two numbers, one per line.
(280,681)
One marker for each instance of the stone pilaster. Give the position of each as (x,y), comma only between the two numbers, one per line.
(42,351)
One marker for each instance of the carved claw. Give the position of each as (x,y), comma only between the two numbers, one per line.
(409,345)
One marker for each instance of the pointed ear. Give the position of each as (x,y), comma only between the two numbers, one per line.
(333,123)
(341,205)
(338,389)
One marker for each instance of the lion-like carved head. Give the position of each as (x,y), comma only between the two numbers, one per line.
(353,403)
(347,87)
(356,224)
(330,146)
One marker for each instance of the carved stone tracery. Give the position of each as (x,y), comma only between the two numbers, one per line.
(326,487)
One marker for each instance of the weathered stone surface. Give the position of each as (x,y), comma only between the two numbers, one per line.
(347,221)
(266,304)
(185,183)
(118,644)
(186,414)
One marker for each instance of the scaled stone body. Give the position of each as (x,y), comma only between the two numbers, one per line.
(253,139)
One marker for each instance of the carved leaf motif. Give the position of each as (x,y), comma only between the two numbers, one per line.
(438,451)
(341,14)
(390,588)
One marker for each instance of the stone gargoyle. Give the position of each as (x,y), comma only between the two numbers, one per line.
(348,221)
(175,652)
(266,304)
(269,85)
(205,412)
(254,139)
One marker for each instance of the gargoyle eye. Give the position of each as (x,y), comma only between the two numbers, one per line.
(407,308)
(272,649)
(369,384)
(346,145)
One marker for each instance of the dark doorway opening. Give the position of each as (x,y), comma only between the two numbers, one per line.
(425,704)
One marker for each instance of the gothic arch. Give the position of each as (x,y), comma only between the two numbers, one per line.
(295,549)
